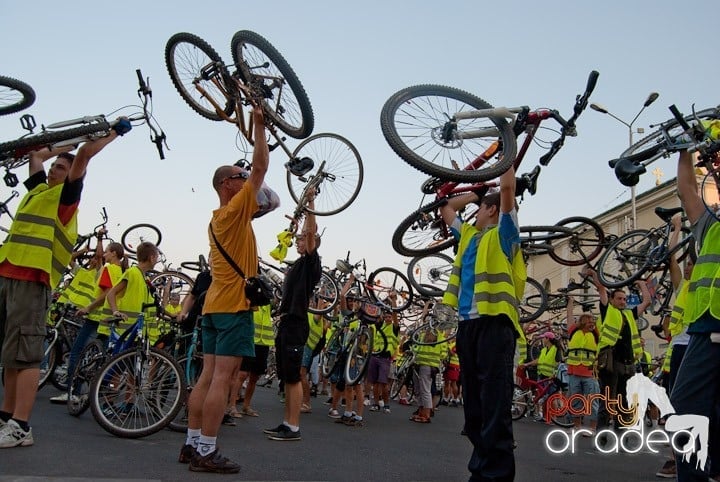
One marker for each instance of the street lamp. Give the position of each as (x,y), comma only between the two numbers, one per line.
(652,97)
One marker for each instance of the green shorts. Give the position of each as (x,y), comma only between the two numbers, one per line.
(228,334)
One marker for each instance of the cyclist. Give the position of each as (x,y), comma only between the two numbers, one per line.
(32,259)
(379,366)
(253,368)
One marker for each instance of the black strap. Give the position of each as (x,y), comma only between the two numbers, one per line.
(224,253)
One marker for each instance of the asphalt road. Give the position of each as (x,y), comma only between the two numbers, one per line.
(388,448)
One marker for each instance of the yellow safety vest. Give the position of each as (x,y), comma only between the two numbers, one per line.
(37,238)
(453,359)
(581,348)
(392,339)
(610,331)
(81,290)
(677,315)
(546,361)
(498,283)
(430,356)
(666,360)
(264,334)
(704,290)
(316,331)
(130,303)
(116,273)
(522,349)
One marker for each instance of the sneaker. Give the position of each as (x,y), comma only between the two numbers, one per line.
(668,470)
(328,401)
(386,409)
(354,422)
(453,403)
(375,408)
(444,402)
(186,454)
(13,436)
(333,413)
(60,399)
(343,419)
(367,402)
(213,462)
(285,434)
(228,420)
(274,430)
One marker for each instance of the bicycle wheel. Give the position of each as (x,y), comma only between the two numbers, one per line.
(626,259)
(429,274)
(582,246)
(169,283)
(185,56)
(401,375)
(138,233)
(59,376)
(326,290)
(419,125)
(89,362)
(329,354)
(564,418)
(50,358)
(15,95)
(260,65)
(384,281)
(534,301)
(419,334)
(129,402)
(192,373)
(520,402)
(342,173)
(653,146)
(12,152)
(358,356)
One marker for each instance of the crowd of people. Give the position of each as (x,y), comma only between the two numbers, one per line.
(477,366)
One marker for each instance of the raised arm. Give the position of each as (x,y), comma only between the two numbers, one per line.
(602,291)
(86,152)
(310,226)
(261,152)
(507,191)
(687,187)
(454,204)
(646,298)
(675,271)
(36,158)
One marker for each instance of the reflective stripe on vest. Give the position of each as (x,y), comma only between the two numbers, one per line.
(130,303)
(81,290)
(499,284)
(677,315)
(116,273)
(392,340)
(316,330)
(611,326)
(430,356)
(264,334)
(581,348)
(37,238)
(546,361)
(666,360)
(704,290)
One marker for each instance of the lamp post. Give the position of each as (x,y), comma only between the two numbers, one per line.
(652,97)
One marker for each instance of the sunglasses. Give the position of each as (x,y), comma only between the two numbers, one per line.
(239,175)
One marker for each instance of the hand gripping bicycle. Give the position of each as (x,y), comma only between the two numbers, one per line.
(14,154)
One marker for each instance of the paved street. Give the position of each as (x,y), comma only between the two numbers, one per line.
(388,448)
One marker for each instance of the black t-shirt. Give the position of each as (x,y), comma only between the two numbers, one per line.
(202,283)
(622,351)
(299,284)
(70,193)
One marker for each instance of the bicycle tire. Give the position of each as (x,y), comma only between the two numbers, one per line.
(59,376)
(326,290)
(257,59)
(15,95)
(519,402)
(192,373)
(358,357)
(160,403)
(137,233)
(91,358)
(417,335)
(49,361)
(11,152)
(652,146)
(415,120)
(429,274)
(383,282)
(534,302)
(583,245)
(424,231)
(625,260)
(185,55)
(564,420)
(343,170)
(329,354)
(171,282)
(401,375)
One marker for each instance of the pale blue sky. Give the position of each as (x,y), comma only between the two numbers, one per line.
(81,58)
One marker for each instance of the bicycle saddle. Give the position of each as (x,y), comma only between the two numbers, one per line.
(527,181)
(343,266)
(667,213)
(628,172)
(299,166)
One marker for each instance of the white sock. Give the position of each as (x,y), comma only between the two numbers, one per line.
(381,404)
(206,445)
(293,428)
(193,435)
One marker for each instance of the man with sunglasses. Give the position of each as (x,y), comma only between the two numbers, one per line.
(227,326)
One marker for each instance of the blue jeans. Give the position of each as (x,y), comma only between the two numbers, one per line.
(584,386)
(697,391)
(86,333)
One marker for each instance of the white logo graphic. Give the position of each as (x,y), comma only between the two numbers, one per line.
(640,389)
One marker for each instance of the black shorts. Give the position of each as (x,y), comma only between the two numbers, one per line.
(289,347)
(257,364)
